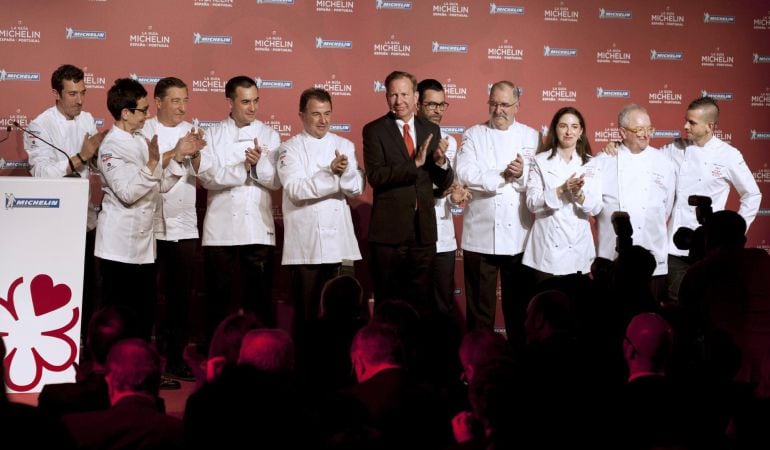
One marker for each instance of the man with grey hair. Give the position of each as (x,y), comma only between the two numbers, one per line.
(494,163)
(638,180)
(269,350)
(706,166)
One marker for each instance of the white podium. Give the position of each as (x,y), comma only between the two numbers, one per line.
(42,243)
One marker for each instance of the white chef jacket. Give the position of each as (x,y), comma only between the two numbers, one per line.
(643,185)
(561,242)
(496,220)
(178,218)
(131,198)
(316,216)
(709,171)
(239,207)
(444,224)
(68,135)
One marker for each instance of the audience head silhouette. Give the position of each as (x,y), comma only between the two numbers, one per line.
(375,347)
(269,350)
(647,344)
(481,348)
(133,368)
(342,298)
(548,314)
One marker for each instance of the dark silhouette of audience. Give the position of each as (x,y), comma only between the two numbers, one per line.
(89,392)
(134,420)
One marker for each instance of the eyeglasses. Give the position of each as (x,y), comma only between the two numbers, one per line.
(495,105)
(432,106)
(142,110)
(641,130)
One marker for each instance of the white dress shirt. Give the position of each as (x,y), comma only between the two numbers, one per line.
(68,135)
(709,171)
(561,242)
(447,242)
(239,207)
(496,220)
(131,198)
(643,185)
(178,218)
(317,221)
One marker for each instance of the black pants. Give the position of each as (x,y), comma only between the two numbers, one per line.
(403,272)
(175,264)
(444,283)
(91,285)
(677,268)
(516,286)
(132,286)
(225,295)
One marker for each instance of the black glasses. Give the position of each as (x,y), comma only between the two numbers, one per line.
(495,105)
(432,106)
(142,110)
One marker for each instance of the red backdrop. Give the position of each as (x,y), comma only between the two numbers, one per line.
(596,55)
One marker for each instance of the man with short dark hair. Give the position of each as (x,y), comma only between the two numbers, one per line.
(319,172)
(431,105)
(403,162)
(73,130)
(707,166)
(238,169)
(177,231)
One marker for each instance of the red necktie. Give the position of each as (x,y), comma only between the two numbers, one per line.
(408,141)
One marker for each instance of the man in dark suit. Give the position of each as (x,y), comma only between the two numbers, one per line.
(403,162)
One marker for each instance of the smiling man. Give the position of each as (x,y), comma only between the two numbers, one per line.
(73,130)
(319,172)
(641,181)
(403,162)
(238,170)
(494,164)
(707,166)
(177,231)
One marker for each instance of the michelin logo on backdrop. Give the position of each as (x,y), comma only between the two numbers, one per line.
(552,51)
(610,14)
(340,128)
(334,44)
(717,18)
(145,79)
(656,55)
(273,84)
(612,93)
(506,9)
(719,96)
(71,33)
(438,47)
(385,4)
(19,76)
(211,39)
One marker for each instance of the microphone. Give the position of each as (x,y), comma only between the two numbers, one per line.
(73,173)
